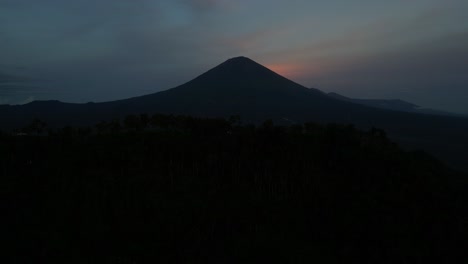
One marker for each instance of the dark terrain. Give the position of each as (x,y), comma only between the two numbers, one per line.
(177,189)
(239,165)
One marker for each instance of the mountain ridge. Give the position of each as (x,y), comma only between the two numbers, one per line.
(393,104)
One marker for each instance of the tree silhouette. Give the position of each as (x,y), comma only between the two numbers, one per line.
(212,191)
(36,126)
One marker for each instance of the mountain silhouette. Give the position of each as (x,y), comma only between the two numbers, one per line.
(240,86)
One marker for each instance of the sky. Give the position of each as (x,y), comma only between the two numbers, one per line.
(100,50)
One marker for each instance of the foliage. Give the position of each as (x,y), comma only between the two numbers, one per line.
(182,189)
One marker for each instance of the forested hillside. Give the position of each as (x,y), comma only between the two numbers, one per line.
(178,189)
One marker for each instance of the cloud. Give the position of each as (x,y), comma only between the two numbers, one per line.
(16,100)
(7,78)
(27,100)
(18,89)
(209,5)
(202,4)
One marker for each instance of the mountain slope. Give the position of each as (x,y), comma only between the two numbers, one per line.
(243,87)
(237,86)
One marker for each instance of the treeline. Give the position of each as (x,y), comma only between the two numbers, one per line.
(178,189)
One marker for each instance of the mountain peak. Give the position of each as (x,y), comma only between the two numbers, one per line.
(240,67)
(242,77)
(240,59)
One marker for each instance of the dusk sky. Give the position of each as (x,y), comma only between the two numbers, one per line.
(99,50)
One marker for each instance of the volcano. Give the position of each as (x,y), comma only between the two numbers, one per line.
(240,86)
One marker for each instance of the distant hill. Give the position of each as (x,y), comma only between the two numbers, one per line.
(240,86)
(392,104)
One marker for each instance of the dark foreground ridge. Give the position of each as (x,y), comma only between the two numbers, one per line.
(166,189)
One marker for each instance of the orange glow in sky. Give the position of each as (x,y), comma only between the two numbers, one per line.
(287,70)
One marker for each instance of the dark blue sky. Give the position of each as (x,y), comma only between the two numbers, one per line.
(97,50)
